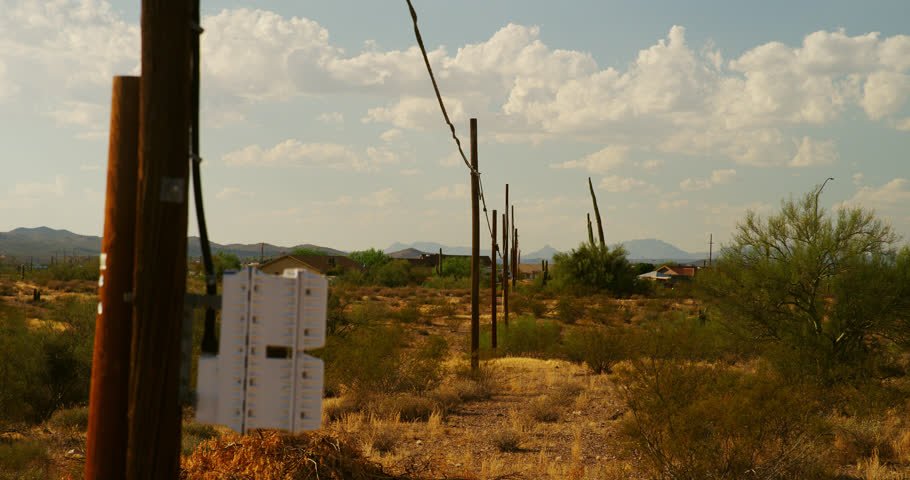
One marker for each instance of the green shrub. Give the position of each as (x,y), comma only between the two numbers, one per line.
(395,273)
(458,267)
(695,421)
(599,348)
(595,267)
(409,314)
(569,309)
(43,369)
(375,359)
(525,336)
(70,419)
(448,283)
(370,258)
(831,292)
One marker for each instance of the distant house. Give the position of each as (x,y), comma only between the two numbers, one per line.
(529,271)
(671,274)
(321,264)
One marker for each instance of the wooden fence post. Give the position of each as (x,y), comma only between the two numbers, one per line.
(475,252)
(108,428)
(493,284)
(506,267)
(160,254)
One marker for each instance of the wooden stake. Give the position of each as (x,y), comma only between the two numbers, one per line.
(475,253)
(108,429)
(505,272)
(506,267)
(493,285)
(160,256)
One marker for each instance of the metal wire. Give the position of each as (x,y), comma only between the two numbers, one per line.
(426,61)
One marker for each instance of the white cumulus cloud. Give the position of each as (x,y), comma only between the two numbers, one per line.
(601,161)
(815,153)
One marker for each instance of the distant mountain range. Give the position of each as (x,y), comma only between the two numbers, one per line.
(645,250)
(43,242)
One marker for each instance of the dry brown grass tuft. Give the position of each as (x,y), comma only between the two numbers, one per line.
(273,456)
(506,440)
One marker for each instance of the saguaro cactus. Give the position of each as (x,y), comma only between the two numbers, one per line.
(600,228)
(590,231)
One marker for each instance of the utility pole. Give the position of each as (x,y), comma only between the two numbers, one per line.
(475,252)
(261,251)
(493,285)
(506,268)
(108,426)
(160,253)
(710,248)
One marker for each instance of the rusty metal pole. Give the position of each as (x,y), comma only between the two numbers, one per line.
(505,269)
(106,440)
(475,252)
(493,285)
(160,253)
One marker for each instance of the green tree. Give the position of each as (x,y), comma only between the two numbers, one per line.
(457,267)
(595,267)
(828,292)
(225,261)
(370,258)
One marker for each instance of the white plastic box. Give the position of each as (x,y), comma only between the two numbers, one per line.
(261,378)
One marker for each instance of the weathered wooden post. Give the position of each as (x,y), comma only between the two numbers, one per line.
(493,284)
(160,253)
(475,252)
(108,426)
(505,270)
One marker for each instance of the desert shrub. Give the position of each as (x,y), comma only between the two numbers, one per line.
(374,359)
(42,368)
(70,419)
(569,309)
(409,314)
(596,268)
(884,436)
(194,434)
(506,440)
(526,336)
(395,273)
(384,439)
(458,267)
(23,460)
(679,336)
(518,303)
(828,293)
(695,421)
(599,348)
(448,283)
(67,271)
(407,407)
(550,407)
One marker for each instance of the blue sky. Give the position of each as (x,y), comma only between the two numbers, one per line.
(319,124)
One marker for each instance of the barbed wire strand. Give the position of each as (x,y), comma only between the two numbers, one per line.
(426,61)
